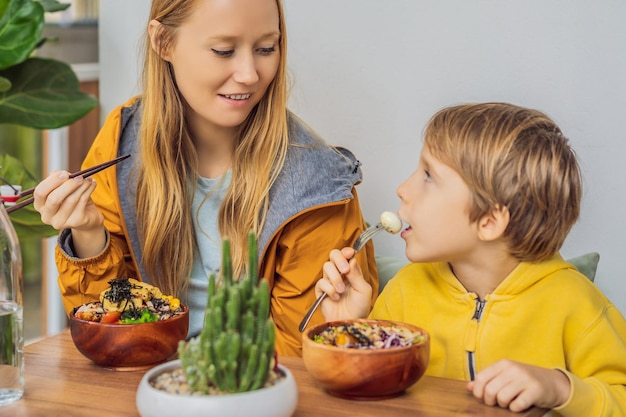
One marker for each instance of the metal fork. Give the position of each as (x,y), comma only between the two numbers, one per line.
(357,246)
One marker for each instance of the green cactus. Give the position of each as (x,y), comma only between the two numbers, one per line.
(234,350)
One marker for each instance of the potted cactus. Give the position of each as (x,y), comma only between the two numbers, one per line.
(230,368)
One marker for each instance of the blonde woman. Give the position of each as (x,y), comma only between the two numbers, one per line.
(215,153)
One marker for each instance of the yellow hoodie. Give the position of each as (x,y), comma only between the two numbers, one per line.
(545,314)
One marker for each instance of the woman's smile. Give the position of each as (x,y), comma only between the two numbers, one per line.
(236,100)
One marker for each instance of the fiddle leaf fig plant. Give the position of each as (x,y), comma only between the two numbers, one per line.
(34,92)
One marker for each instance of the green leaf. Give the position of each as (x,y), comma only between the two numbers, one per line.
(27,224)
(52,6)
(27,220)
(45,95)
(15,172)
(5,85)
(21,25)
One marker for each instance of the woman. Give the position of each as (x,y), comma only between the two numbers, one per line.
(215,153)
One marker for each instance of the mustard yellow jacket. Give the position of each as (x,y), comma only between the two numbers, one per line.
(314,208)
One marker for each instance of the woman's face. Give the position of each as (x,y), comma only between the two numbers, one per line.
(224,58)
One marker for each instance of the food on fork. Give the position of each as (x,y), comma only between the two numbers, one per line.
(129,301)
(391,222)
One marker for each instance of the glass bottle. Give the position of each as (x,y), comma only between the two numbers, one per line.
(11,313)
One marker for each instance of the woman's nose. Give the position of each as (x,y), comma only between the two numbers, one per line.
(246,70)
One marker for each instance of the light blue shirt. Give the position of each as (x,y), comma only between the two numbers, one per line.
(207,201)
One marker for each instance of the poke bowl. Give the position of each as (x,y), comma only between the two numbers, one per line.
(139,330)
(364,359)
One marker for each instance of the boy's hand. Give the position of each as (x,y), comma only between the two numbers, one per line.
(518,386)
(349,295)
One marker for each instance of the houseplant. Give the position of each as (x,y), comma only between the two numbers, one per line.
(230,367)
(34,92)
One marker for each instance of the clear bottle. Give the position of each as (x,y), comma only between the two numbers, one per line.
(11,313)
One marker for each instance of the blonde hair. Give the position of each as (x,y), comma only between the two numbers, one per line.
(514,157)
(167,171)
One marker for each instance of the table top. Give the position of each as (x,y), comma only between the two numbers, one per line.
(61,382)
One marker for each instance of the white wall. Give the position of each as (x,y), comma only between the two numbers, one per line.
(368,74)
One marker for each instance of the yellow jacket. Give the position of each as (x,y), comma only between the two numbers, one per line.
(545,314)
(314,208)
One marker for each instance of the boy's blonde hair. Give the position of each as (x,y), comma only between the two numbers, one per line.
(517,158)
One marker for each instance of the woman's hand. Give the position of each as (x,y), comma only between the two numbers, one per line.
(348,294)
(517,386)
(66,203)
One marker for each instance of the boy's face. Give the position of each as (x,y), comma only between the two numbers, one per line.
(435,204)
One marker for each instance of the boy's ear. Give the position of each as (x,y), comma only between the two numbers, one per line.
(493,224)
(154,31)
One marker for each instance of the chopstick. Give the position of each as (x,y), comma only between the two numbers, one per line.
(6,182)
(85,173)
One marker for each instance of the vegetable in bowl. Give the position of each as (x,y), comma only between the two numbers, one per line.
(128,301)
(368,336)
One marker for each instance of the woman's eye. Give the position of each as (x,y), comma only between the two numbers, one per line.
(427,176)
(222,53)
(267,51)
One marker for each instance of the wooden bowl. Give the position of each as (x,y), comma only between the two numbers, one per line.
(129,347)
(365,374)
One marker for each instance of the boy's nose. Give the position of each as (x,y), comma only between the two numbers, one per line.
(399,190)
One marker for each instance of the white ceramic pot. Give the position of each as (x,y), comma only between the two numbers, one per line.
(279,400)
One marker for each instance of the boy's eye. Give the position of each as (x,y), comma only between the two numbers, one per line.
(222,53)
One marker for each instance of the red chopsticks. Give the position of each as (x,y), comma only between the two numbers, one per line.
(85,173)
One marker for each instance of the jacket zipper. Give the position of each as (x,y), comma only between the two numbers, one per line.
(471,360)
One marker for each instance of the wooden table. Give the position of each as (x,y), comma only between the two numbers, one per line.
(61,382)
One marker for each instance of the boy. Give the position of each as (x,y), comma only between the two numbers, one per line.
(495,194)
